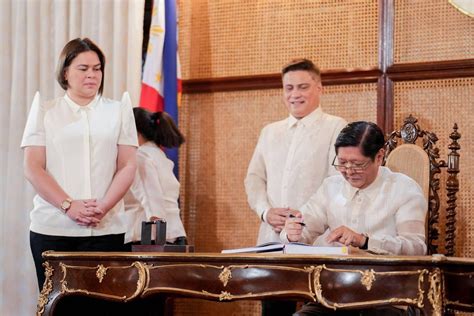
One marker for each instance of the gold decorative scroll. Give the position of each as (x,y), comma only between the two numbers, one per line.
(434,293)
(225,296)
(46,290)
(318,287)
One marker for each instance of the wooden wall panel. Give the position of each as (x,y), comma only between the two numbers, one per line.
(235,38)
(431,31)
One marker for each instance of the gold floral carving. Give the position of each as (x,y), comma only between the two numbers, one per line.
(46,290)
(434,293)
(101,272)
(225,296)
(367,278)
(225,276)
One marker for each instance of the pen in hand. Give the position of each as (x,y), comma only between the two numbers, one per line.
(301,223)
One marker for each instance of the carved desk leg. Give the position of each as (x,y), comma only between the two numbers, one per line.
(49,293)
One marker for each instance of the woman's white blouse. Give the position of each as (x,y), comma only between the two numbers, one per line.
(81,155)
(154,192)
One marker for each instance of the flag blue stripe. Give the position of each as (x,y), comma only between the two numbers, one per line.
(170,76)
(169,61)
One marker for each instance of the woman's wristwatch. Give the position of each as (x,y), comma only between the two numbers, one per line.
(66,205)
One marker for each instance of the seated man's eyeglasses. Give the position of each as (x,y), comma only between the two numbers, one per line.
(355,167)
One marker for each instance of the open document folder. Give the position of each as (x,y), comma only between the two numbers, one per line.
(294,248)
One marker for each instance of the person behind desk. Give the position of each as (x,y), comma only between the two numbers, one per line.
(79,155)
(155,190)
(366,206)
(291,159)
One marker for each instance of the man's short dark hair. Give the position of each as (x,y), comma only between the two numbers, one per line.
(365,135)
(302,64)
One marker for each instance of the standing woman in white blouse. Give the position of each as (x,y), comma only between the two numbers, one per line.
(155,191)
(80,156)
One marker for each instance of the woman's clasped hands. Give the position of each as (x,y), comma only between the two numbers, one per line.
(88,212)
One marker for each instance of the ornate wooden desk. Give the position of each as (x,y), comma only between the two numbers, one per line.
(432,283)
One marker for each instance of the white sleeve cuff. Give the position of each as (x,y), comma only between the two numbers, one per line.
(376,245)
(284,237)
(264,216)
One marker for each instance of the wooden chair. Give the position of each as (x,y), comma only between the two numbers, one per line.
(422,163)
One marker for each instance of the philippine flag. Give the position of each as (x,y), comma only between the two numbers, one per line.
(161,84)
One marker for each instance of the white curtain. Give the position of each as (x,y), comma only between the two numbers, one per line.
(32,34)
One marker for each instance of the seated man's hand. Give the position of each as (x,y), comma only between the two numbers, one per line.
(346,236)
(276,217)
(294,226)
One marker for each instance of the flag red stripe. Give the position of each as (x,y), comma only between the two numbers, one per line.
(150,99)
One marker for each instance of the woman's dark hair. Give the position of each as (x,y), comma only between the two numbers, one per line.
(158,127)
(70,51)
(366,135)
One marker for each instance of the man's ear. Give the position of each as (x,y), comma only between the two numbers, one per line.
(319,85)
(380,155)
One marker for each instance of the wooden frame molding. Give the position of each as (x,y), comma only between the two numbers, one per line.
(432,70)
(273,81)
(396,72)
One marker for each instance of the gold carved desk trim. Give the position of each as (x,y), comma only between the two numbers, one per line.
(431,283)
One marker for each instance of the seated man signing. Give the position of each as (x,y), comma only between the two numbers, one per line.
(366,205)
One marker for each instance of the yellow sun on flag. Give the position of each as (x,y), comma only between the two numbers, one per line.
(158,77)
(156,30)
(154,11)
(150,48)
